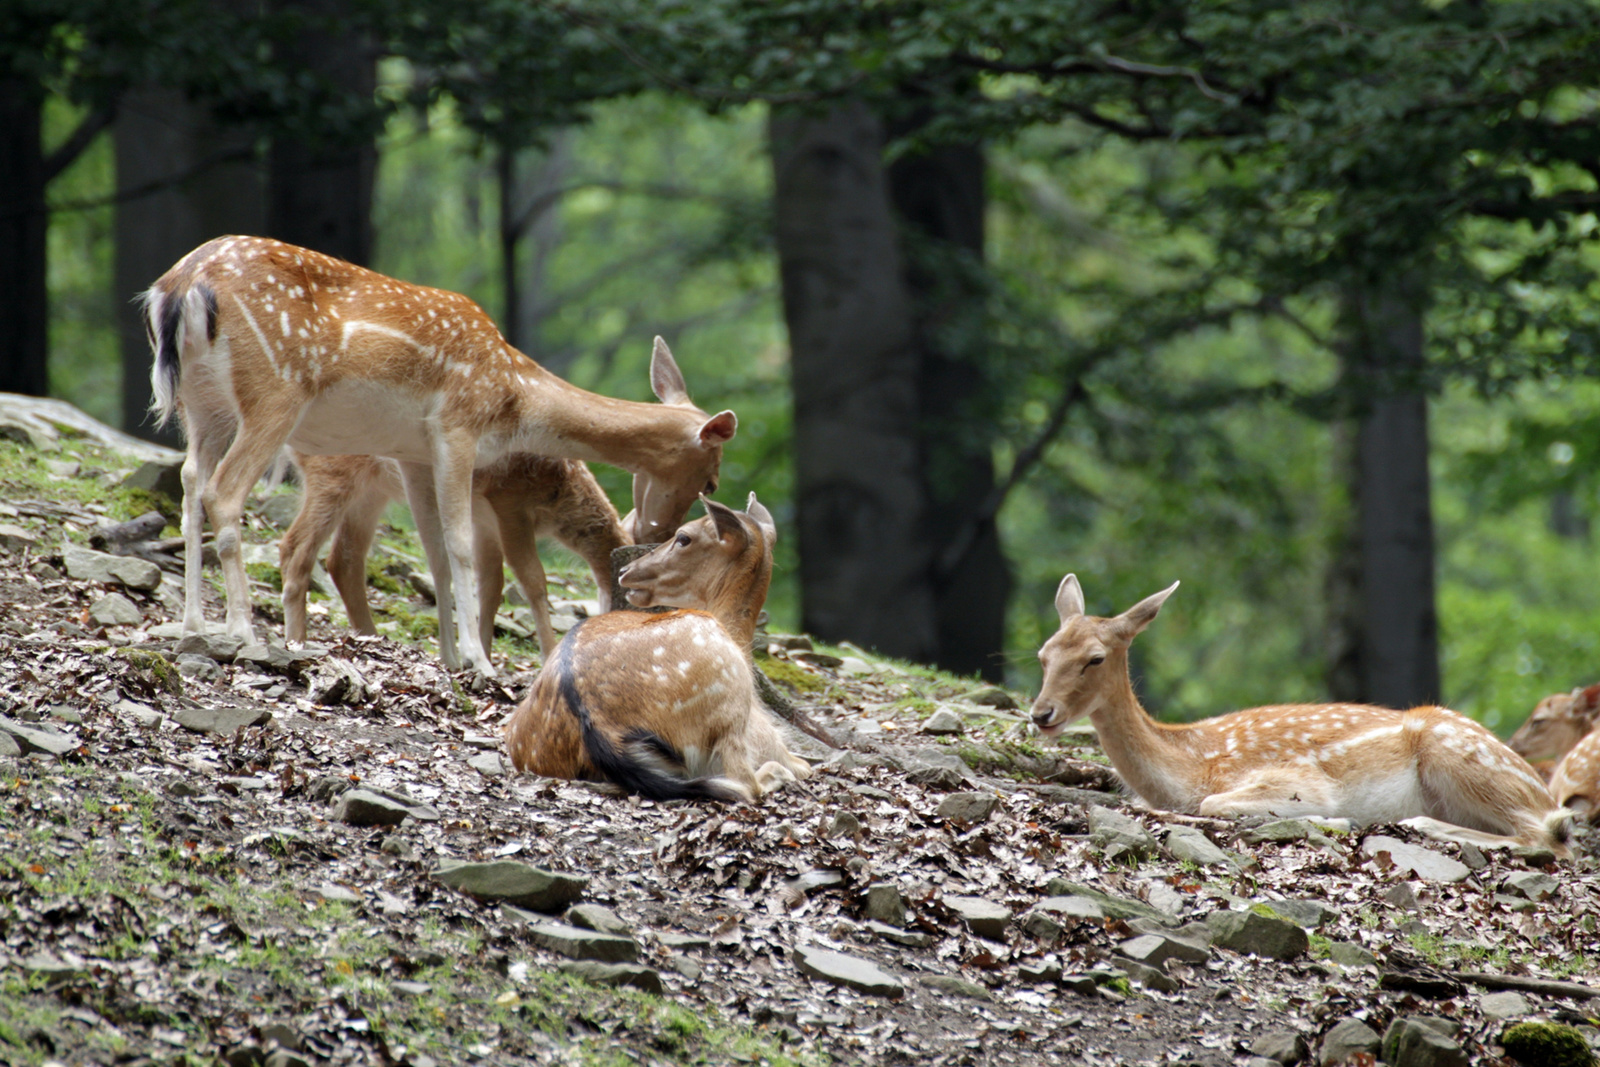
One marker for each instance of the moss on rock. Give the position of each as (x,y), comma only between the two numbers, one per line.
(1546,1045)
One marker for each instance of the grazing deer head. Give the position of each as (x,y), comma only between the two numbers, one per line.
(1429,767)
(1557,723)
(261,344)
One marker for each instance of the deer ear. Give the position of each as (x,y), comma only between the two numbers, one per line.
(1142,614)
(725,519)
(1069,599)
(666,380)
(763,519)
(719,428)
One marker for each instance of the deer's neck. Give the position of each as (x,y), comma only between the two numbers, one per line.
(553,417)
(1156,761)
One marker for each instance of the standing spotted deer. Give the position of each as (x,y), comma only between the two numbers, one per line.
(664,704)
(260,345)
(1429,767)
(516,499)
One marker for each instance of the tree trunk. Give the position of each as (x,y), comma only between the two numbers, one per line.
(865,556)
(939,198)
(195,181)
(319,193)
(1385,621)
(890,455)
(24,299)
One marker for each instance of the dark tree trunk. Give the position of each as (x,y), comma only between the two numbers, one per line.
(939,198)
(186,180)
(24,300)
(1385,621)
(529,233)
(890,456)
(319,193)
(865,556)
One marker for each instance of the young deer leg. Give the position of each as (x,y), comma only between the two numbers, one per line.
(198,466)
(518,539)
(320,509)
(347,560)
(489,569)
(1269,792)
(252,450)
(454,458)
(424,503)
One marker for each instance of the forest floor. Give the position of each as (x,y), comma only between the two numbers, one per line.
(186,875)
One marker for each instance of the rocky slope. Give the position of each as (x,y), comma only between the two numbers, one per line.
(212,852)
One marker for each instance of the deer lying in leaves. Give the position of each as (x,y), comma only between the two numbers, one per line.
(516,499)
(664,704)
(260,344)
(1561,733)
(1428,768)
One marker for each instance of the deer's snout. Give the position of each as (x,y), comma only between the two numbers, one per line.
(1045,714)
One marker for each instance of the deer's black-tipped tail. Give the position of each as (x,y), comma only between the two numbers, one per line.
(640,764)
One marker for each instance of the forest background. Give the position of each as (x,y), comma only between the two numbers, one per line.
(1296,303)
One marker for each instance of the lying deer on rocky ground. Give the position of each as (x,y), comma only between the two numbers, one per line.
(516,500)
(260,344)
(664,704)
(1575,782)
(1556,725)
(1428,768)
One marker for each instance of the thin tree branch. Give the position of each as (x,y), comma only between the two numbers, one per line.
(136,192)
(74,146)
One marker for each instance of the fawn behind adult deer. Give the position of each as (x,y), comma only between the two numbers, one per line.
(664,704)
(1428,767)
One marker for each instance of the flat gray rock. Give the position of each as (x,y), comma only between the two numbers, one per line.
(580,944)
(991,696)
(30,738)
(1347,955)
(1154,950)
(515,883)
(1503,1007)
(943,723)
(1309,913)
(898,935)
(967,808)
(1282,831)
(885,904)
(114,609)
(596,917)
(9,746)
(15,538)
(1145,975)
(1188,843)
(363,807)
(200,668)
(1251,932)
(220,647)
(275,658)
(1280,1046)
(1421,1042)
(959,987)
(614,974)
(1348,1037)
(488,764)
(983,917)
(222,721)
(1108,827)
(683,941)
(1111,907)
(1423,863)
(838,969)
(1530,884)
(87,565)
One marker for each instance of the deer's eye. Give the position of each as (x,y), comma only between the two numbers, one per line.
(1094,661)
(711,488)
(682,540)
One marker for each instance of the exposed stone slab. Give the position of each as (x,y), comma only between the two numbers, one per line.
(848,971)
(87,565)
(114,609)
(967,807)
(1348,1037)
(983,917)
(885,904)
(1108,827)
(222,721)
(598,917)
(1156,949)
(581,944)
(1188,843)
(35,739)
(220,647)
(1311,913)
(614,974)
(515,883)
(1251,932)
(1423,863)
(959,987)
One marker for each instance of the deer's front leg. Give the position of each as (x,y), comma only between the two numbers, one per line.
(1271,792)
(424,501)
(455,455)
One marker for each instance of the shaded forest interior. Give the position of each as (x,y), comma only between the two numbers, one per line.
(1294,303)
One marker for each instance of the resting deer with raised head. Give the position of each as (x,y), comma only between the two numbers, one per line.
(664,704)
(1556,724)
(1428,768)
(516,500)
(1575,782)
(260,344)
